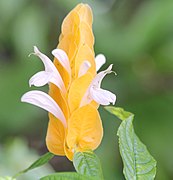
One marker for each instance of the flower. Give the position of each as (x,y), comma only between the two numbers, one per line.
(74,87)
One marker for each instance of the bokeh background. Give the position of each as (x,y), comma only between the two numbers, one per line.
(135,35)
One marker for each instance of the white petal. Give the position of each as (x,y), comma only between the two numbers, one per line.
(48,64)
(102,96)
(62,57)
(50,69)
(84,68)
(100,59)
(99,77)
(44,101)
(40,79)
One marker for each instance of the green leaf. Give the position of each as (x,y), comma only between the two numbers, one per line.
(66,176)
(119,112)
(41,161)
(138,163)
(87,163)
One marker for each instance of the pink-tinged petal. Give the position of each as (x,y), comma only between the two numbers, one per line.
(62,57)
(84,68)
(100,59)
(44,101)
(40,79)
(102,96)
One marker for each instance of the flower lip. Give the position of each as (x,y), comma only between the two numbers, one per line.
(102,96)
(40,79)
(44,101)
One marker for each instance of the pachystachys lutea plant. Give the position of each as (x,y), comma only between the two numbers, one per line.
(75,127)
(74,87)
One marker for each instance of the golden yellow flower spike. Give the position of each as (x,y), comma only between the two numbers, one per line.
(74,87)
(77,41)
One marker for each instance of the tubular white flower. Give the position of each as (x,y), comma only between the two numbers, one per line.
(44,101)
(50,74)
(94,92)
(62,57)
(100,59)
(84,68)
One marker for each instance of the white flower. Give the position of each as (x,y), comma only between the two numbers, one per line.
(94,92)
(51,73)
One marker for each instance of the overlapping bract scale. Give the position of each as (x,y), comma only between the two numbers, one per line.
(55,136)
(84,130)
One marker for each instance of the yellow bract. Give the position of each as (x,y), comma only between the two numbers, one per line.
(84,128)
(55,136)
(77,91)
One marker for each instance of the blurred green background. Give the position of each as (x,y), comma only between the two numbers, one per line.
(135,35)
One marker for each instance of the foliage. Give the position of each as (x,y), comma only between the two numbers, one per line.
(13,159)
(66,176)
(41,161)
(138,163)
(87,163)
